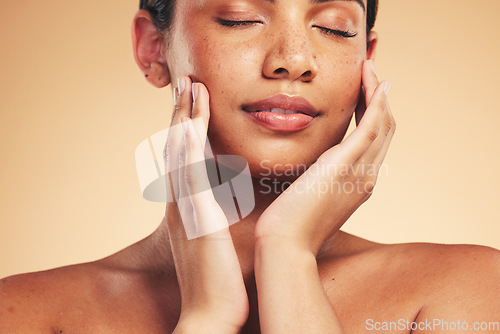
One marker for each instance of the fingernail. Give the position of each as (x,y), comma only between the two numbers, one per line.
(372,64)
(195,91)
(181,83)
(387,87)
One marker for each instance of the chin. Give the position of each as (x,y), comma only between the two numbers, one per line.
(286,165)
(276,155)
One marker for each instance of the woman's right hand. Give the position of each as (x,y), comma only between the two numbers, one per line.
(214,298)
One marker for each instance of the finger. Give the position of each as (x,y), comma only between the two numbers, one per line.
(201,104)
(208,216)
(183,99)
(182,107)
(386,126)
(369,79)
(184,204)
(201,114)
(195,174)
(383,152)
(369,82)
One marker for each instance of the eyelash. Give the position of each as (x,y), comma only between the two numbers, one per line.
(231,23)
(335,32)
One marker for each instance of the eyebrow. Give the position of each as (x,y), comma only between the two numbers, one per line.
(359,2)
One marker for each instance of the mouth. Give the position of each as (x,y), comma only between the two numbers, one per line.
(282,113)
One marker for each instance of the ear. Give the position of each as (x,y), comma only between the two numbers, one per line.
(372,46)
(147,43)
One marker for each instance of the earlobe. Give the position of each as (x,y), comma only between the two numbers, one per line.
(372,45)
(147,43)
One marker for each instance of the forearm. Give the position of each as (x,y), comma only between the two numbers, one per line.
(291,296)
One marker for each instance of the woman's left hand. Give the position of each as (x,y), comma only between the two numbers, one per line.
(291,231)
(321,200)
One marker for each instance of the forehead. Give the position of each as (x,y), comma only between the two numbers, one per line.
(361,3)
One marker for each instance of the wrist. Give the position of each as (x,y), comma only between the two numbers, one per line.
(283,246)
(204,323)
(268,234)
(283,252)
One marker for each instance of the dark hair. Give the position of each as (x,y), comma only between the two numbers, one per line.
(162,13)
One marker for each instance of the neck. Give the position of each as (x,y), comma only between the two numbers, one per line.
(242,234)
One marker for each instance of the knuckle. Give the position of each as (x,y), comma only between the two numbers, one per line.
(388,125)
(393,127)
(369,187)
(177,108)
(372,134)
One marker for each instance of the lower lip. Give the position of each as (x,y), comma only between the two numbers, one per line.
(281,122)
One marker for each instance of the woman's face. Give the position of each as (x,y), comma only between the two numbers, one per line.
(255,55)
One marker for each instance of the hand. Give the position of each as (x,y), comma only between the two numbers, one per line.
(321,200)
(213,293)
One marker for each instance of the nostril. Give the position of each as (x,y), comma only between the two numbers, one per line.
(280,70)
(307,74)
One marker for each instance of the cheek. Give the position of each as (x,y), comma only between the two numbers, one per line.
(343,76)
(213,60)
(227,70)
(340,94)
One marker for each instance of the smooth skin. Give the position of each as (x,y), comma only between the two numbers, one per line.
(286,268)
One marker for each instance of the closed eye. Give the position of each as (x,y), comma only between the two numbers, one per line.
(337,32)
(232,23)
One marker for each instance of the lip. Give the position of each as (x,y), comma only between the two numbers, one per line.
(301,119)
(282,101)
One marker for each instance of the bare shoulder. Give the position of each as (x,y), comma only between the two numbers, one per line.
(444,259)
(449,268)
(83,298)
(463,289)
(422,282)
(30,302)
(370,283)
(441,270)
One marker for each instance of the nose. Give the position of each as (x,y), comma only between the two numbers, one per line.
(290,56)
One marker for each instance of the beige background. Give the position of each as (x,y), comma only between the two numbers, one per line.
(74,106)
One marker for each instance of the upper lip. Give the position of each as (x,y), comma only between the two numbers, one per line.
(282,101)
